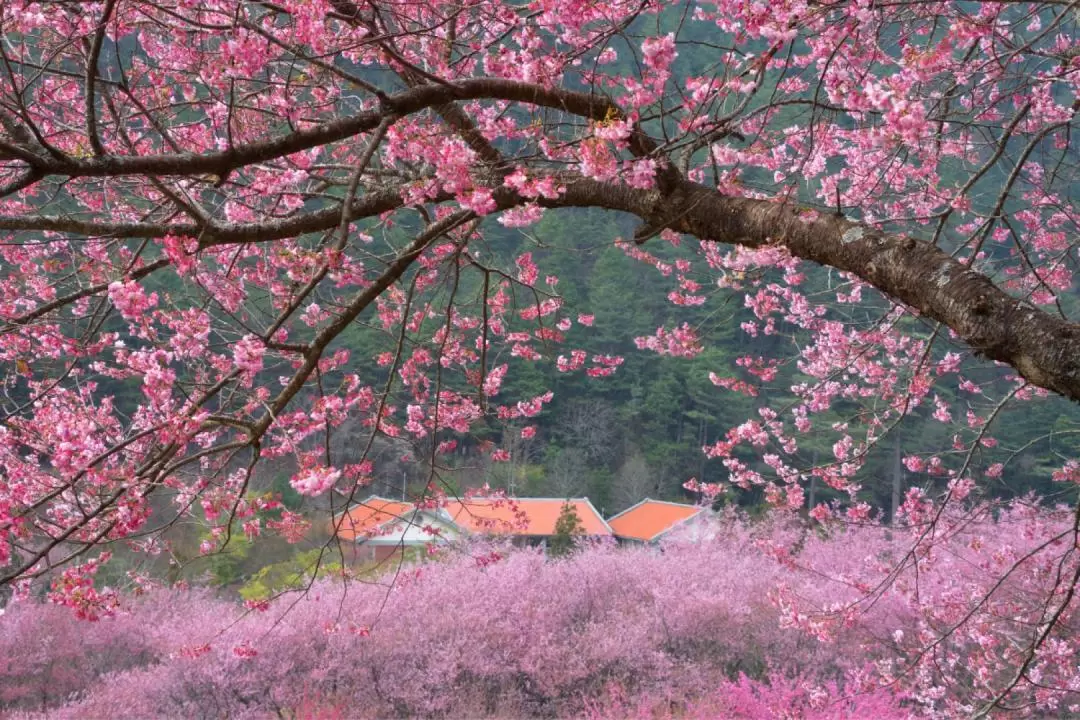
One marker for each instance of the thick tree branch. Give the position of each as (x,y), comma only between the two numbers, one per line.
(1043,348)
(408,102)
(368,205)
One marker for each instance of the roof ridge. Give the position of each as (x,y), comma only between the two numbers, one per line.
(582,499)
(597,513)
(364,504)
(633,518)
(385,499)
(672,502)
(583,504)
(638,504)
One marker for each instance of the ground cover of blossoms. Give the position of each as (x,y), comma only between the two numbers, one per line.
(735,618)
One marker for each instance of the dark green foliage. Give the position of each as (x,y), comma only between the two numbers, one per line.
(567,528)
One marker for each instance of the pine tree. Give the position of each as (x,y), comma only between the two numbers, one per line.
(566,527)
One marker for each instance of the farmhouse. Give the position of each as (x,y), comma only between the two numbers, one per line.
(377,527)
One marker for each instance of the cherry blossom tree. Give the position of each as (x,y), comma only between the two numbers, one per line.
(200,202)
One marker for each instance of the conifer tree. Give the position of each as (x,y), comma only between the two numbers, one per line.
(567,528)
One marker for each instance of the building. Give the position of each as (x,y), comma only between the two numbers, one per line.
(528,521)
(377,528)
(650,520)
(380,528)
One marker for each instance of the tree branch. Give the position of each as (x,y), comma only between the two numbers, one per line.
(1042,348)
(407,102)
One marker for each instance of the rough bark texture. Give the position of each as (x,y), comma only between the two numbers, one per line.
(1043,348)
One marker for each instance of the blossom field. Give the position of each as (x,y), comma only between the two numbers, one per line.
(735,618)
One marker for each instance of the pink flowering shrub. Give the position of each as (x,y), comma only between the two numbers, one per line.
(744,698)
(731,619)
(48,655)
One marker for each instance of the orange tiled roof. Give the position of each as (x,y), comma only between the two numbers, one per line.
(650,518)
(534,516)
(370,514)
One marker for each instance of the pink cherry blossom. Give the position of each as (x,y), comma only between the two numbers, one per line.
(315,480)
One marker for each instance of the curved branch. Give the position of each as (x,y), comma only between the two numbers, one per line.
(370,204)
(66,300)
(407,102)
(389,276)
(1042,348)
